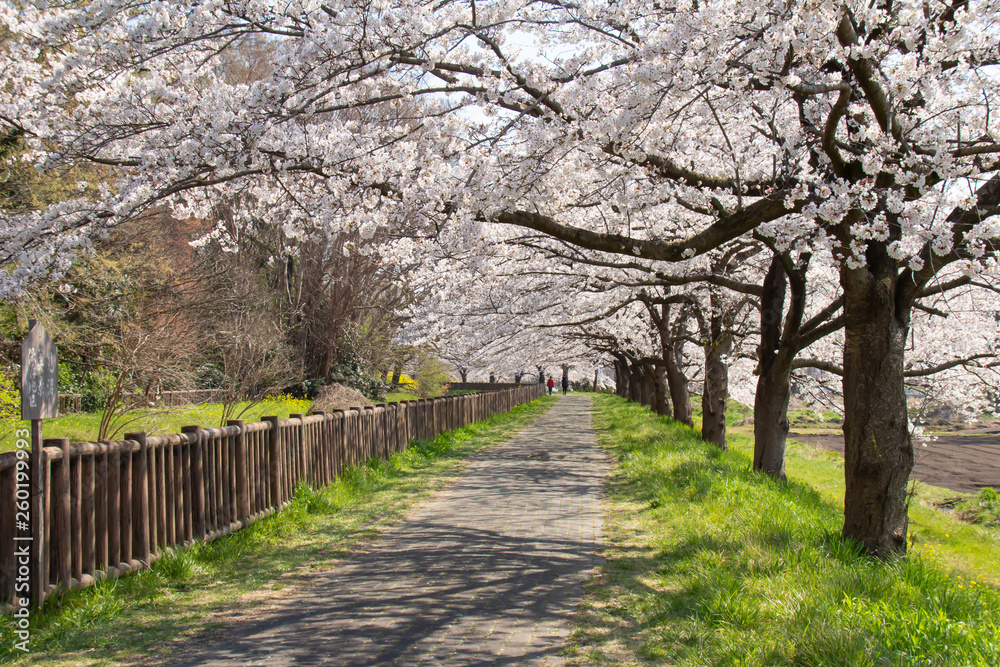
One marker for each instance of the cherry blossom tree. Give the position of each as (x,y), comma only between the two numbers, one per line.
(629,129)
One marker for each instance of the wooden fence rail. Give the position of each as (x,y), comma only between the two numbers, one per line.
(116,507)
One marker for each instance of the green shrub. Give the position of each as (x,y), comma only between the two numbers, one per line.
(94,390)
(10,399)
(353,374)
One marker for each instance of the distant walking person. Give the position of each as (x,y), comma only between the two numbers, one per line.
(565,384)
(550,384)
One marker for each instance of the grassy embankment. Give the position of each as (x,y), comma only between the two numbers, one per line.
(141,617)
(711,564)
(84,426)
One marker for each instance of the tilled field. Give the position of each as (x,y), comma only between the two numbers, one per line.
(963,463)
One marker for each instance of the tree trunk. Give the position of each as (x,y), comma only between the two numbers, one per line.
(658,378)
(621,377)
(713,399)
(770,419)
(635,383)
(878,454)
(464,373)
(646,385)
(678,384)
(671,349)
(595,380)
(774,369)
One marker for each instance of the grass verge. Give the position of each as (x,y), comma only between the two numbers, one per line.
(141,618)
(712,564)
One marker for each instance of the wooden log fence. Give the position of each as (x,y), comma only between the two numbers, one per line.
(116,507)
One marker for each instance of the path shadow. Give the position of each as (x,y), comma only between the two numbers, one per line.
(400,604)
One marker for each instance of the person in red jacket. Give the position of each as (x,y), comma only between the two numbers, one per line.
(551,383)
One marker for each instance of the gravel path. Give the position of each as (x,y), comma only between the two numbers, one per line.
(486,573)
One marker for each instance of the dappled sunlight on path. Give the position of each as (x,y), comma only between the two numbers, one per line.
(487,573)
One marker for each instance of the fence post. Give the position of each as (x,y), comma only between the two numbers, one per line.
(274,463)
(88,520)
(197,483)
(140,499)
(113,503)
(242,480)
(8,505)
(62,554)
(302,465)
(125,504)
(76,513)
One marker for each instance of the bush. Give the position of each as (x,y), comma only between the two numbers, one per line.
(350,372)
(405,381)
(10,399)
(306,390)
(210,376)
(94,390)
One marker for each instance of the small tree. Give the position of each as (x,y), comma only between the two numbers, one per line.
(248,345)
(430,374)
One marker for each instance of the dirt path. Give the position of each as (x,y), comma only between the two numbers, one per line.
(487,573)
(963,463)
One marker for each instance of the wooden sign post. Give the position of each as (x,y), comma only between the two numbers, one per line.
(39,400)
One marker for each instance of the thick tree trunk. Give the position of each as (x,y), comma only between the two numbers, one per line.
(713,399)
(774,369)
(658,378)
(770,420)
(464,373)
(619,377)
(635,383)
(678,384)
(878,454)
(645,386)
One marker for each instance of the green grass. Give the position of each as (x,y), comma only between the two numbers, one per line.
(738,414)
(142,617)
(84,426)
(983,507)
(709,563)
(804,417)
(735,411)
(397,396)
